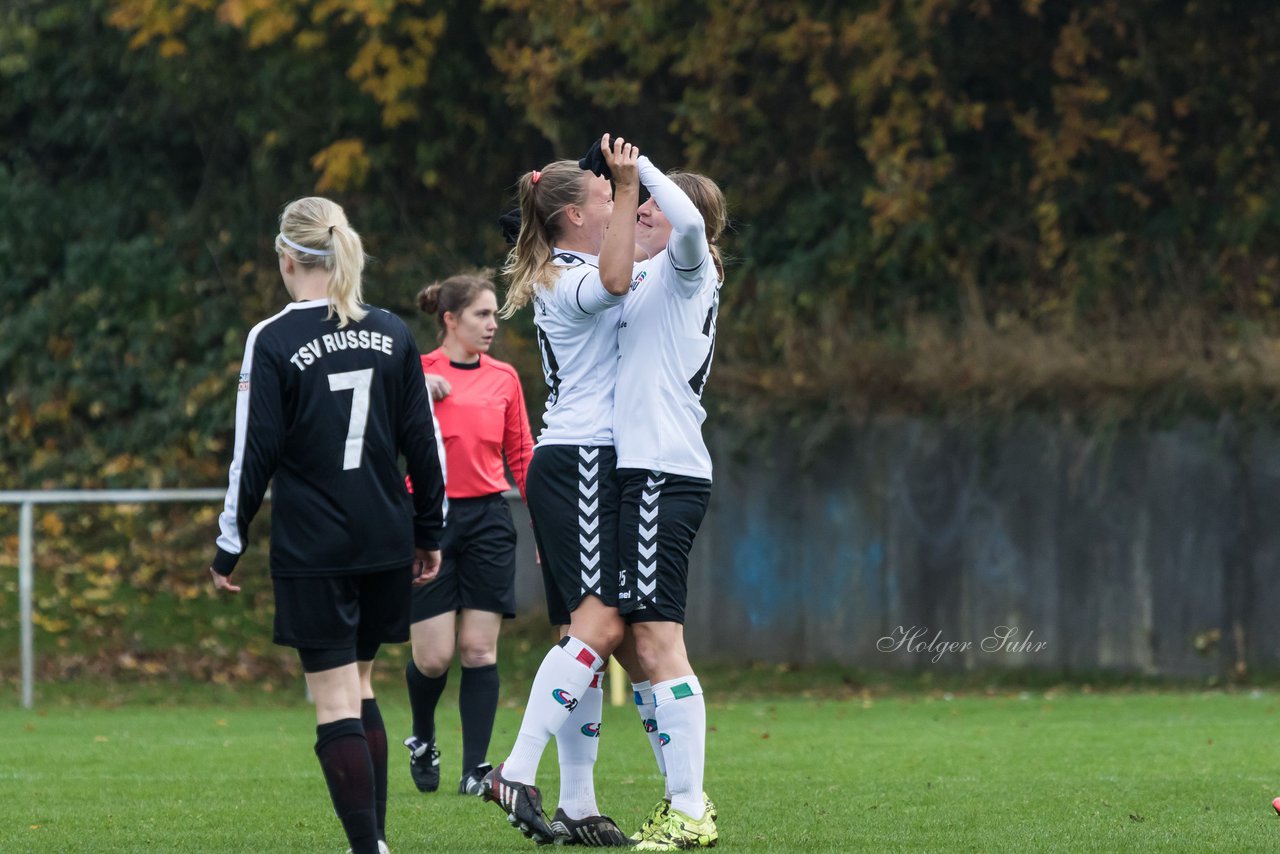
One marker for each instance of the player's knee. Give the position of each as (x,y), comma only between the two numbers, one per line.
(600,629)
(432,661)
(658,657)
(630,661)
(477,654)
(611,634)
(651,660)
(603,633)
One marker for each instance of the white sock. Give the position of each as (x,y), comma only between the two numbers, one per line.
(643,693)
(578,743)
(682,725)
(563,676)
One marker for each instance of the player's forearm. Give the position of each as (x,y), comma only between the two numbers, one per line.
(617,255)
(688,241)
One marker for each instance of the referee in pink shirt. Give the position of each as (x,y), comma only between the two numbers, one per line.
(480,407)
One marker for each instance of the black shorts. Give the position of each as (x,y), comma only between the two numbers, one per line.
(660,516)
(573,501)
(478,566)
(343,611)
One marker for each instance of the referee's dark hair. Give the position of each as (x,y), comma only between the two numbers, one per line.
(454,294)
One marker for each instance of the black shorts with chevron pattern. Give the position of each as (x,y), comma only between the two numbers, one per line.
(573,500)
(660,516)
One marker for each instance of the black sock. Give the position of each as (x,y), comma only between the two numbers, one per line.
(424,693)
(477,704)
(343,752)
(376,734)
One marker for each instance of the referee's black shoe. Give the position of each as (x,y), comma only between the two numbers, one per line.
(424,763)
(594,831)
(521,803)
(472,782)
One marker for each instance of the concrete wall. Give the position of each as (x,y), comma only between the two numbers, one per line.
(908,543)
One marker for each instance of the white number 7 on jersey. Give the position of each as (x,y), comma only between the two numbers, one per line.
(358,382)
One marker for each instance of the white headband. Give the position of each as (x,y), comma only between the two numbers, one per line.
(306,249)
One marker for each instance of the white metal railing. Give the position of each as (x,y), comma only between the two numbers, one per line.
(26,501)
(26,547)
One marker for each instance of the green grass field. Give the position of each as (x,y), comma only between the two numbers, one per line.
(1055,771)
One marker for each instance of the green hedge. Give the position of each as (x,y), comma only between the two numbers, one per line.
(926,194)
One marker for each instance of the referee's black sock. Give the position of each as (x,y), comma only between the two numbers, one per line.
(348,769)
(477,705)
(376,734)
(424,694)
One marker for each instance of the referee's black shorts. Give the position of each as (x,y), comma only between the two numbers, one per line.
(352,613)
(478,561)
(573,500)
(659,517)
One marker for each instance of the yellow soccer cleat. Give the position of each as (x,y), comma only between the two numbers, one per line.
(678,831)
(653,822)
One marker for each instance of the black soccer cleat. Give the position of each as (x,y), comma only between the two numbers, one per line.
(424,763)
(521,803)
(472,782)
(594,831)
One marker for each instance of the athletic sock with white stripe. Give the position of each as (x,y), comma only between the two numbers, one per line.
(643,694)
(682,727)
(563,677)
(578,743)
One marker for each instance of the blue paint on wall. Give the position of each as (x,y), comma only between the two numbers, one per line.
(778,572)
(759,566)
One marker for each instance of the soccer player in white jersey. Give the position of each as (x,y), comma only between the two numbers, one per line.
(665,344)
(330,396)
(573,261)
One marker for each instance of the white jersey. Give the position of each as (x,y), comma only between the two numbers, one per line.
(665,344)
(577,323)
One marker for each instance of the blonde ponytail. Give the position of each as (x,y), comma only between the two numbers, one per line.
(543,197)
(314,231)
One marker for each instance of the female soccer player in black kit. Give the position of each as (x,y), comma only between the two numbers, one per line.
(331,395)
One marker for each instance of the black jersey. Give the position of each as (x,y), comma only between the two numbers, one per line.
(328,412)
